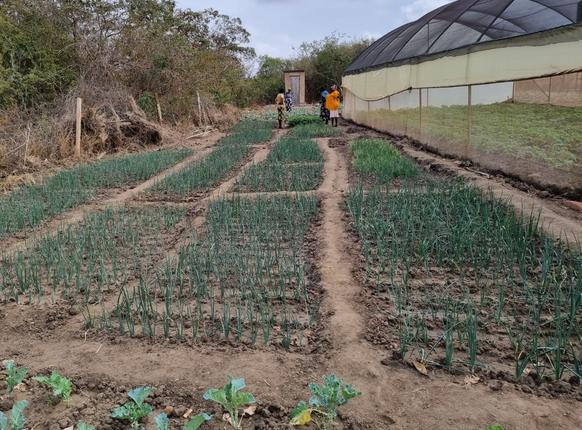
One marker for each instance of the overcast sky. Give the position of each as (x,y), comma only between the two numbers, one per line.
(277,26)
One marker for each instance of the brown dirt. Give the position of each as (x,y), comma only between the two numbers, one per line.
(394,396)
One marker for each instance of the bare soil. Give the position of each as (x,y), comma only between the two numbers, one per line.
(395,396)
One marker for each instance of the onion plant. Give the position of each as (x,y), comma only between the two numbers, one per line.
(28,206)
(467,265)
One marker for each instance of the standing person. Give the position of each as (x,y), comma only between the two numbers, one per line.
(333,103)
(289,101)
(280,102)
(324,113)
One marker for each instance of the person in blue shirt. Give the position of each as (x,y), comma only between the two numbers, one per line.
(324,113)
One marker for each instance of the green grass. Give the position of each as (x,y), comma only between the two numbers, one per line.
(247,124)
(295,150)
(310,131)
(251,137)
(376,158)
(549,134)
(281,177)
(28,206)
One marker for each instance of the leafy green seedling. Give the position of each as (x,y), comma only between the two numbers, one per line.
(324,402)
(82,425)
(197,421)
(135,410)
(232,399)
(14,375)
(163,423)
(494,427)
(17,420)
(61,386)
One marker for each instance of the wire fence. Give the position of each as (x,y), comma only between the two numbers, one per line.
(530,129)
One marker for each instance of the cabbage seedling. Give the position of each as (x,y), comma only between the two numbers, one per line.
(14,375)
(324,402)
(162,422)
(16,420)
(61,386)
(197,421)
(135,410)
(232,399)
(82,425)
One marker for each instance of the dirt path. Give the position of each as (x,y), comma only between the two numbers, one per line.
(398,397)
(22,240)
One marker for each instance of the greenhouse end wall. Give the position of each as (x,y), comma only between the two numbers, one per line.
(528,129)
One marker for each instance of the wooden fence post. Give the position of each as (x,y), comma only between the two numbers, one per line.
(158,109)
(79,117)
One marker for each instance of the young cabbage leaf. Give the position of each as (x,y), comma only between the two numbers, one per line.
(324,402)
(231,398)
(61,386)
(162,422)
(135,410)
(14,375)
(82,425)
(16,421)
(197,421)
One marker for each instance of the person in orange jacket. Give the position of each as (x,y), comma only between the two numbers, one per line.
(333,104)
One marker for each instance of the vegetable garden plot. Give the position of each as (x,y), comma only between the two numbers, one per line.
(281,177)
(211,170)
(83,263)
(248,278)
(293,165)
(28,206)
(295,150)
(457,279)
(310,131)
(380,162)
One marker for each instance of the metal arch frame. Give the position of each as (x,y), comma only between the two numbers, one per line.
(406,27)
(555,10)
(430,16)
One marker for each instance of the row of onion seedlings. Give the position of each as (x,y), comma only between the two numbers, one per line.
(465,273)
(82,263)
(294,164)
(246,278)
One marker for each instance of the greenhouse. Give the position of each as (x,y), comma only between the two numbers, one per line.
(494,82)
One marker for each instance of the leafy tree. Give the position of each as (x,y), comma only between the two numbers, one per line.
(324,61)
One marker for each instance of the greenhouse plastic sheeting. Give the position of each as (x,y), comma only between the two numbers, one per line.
(507,127)
(465,23)
(550,53)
